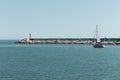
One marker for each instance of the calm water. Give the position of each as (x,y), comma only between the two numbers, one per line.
(58,62)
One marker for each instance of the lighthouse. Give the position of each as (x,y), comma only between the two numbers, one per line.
(29,39)
(29,36)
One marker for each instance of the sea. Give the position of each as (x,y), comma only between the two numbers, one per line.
(58,62)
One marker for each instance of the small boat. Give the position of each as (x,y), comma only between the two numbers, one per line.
(97,43)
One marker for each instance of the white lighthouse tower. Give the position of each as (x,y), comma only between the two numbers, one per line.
(29,36)
(29,39)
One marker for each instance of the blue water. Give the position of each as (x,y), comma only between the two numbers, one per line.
(58,62)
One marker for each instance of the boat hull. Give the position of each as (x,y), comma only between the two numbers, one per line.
(98,46)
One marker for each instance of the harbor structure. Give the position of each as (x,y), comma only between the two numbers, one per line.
(104,41)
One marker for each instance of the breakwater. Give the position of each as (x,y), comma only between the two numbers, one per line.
(105,41)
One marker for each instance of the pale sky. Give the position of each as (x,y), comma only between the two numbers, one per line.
(59,18)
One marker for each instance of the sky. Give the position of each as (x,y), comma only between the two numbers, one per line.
(59,18)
